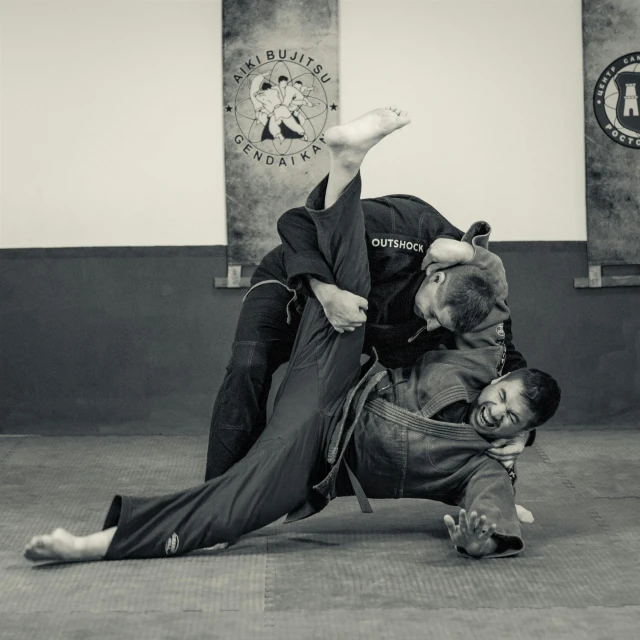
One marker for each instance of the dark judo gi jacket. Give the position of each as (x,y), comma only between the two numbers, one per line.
(398,230)
(389,445)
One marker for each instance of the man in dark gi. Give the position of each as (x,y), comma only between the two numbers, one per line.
(399,232)
(336,429)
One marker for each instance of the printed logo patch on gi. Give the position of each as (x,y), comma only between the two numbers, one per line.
(500,330)
(383,241)
(172,544)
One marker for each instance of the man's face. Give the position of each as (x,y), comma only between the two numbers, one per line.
(427,306)
(501,411)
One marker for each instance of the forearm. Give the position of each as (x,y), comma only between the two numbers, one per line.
(321,290)
(489,492)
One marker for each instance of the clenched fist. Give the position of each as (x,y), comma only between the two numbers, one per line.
(344,310)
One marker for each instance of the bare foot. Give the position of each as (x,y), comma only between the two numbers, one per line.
(355,138)
(60,545)
(524,515)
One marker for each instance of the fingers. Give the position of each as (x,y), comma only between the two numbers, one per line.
(485,533)
(451,526)
(476,526)
(435,266)
(363,303)
(462,522)
(341,328)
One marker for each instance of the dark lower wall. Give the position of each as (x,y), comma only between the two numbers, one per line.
(135,340)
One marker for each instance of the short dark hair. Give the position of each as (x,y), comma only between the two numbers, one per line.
(541,393)
(298,82)
(266,85)
(281,78)
(468,295)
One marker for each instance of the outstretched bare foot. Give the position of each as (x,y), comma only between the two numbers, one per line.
(355,138)
(59,545)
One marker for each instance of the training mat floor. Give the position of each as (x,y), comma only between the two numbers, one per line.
(341,574)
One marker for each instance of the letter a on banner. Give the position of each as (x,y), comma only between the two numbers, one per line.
(280,92)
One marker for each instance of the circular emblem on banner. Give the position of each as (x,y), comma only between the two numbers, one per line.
(281,105)
(616,100)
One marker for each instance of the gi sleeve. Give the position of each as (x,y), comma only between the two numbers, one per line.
(496,329)
(302,255)
(491,332)
(513,358)
(489,492)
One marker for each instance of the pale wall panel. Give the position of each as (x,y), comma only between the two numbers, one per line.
(111,123)
(495,90)
(111,116)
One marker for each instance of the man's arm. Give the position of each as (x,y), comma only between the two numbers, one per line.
(344,310)
(473,249)
(445,253)
(308,272)
(489,495)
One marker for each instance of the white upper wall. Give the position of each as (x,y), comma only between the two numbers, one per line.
(111,116)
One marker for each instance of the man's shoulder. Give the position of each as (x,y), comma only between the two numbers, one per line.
(404,214)
(401,202)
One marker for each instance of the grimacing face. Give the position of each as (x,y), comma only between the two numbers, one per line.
(427,306)
(501,411)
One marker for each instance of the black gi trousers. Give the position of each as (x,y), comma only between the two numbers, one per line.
(263,341)
(278,473)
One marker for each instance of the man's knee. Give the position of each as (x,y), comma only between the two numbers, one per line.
(249,364)
(241,397)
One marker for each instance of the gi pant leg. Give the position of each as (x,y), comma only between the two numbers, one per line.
(281,468)
(263,341)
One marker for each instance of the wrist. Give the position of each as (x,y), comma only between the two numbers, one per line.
(321,290)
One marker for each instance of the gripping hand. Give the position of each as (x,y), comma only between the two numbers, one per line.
(445,252)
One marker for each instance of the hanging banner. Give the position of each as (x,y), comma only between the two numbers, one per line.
(280,88)
(611,44)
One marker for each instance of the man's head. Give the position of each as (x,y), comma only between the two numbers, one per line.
(297,84)
(283,80)
(458,298)
(518,401)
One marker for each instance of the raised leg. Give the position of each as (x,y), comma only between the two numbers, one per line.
(283,465)
(349,144)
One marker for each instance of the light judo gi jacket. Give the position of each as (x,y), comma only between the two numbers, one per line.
(391,447)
